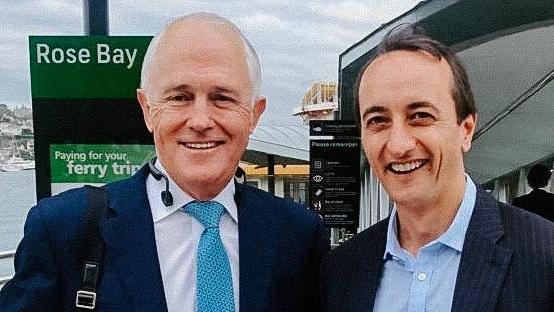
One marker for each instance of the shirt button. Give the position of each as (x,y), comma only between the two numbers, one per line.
(422,276)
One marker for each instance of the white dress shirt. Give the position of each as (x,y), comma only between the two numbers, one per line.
(177,235)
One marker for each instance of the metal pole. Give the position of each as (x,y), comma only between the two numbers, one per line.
(271,173)
(95,16)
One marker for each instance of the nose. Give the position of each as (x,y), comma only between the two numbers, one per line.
(400,141)
(200,118)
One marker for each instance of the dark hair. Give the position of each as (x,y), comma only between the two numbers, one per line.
(538,176)
(410,37)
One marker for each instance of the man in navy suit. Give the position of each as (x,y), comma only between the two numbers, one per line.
(448,245)
(200,97)
(538,201)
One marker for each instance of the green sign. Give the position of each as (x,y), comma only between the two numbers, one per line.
(86,67)
(87,163)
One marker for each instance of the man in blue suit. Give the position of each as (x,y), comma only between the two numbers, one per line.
(217,245)
(448,245)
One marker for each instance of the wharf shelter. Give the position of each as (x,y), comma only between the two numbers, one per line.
(276,160)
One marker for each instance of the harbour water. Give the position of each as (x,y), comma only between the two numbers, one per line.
(17,196)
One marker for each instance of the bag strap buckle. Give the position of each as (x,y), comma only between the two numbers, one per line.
(86,299)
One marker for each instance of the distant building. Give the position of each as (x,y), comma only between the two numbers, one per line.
(23,113)
(4,110)
(9,129)
(291,181)
(276,160)
(319,102)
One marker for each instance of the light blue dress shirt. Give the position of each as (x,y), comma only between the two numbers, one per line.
(424,283)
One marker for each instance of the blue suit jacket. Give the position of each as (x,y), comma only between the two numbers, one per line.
(507,264)
(280,248)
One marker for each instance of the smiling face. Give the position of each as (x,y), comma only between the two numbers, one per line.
(198,103)
(410,132)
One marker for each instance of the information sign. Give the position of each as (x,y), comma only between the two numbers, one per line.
(73,165)
(335,174)
(85,109)
(337,128)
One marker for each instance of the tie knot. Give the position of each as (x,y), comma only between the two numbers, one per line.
(207,213)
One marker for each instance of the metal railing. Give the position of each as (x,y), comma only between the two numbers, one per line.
(6,255)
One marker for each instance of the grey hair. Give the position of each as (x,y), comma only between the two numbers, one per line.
(252,59)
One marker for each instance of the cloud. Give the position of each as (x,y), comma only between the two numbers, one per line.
(379,11)
(261,21)
(24,18)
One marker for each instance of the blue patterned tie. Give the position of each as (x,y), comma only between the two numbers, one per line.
(214,284)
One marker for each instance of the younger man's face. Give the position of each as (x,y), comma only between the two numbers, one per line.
(410,132)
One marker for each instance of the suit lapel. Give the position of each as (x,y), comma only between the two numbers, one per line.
(484,261)
(257,235)
(128,233)
(368,274)
(375,265)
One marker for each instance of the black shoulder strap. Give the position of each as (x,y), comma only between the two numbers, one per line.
(97,204)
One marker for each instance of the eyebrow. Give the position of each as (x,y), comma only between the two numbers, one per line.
(373,109)
(422,104)
(225,90)
(182,87)
(412,106)
(186,87)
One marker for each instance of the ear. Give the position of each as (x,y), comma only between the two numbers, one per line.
(257,111)
(143,101)
(467,128)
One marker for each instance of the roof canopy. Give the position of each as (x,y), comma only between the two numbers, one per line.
(288,143)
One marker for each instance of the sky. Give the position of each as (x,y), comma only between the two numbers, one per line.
(298,42)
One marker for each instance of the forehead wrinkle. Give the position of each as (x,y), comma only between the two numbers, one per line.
(210,58)
(213,22)
(386,71)
(200,50)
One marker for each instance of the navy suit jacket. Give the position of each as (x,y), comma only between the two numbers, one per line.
(507,264)
(280,248)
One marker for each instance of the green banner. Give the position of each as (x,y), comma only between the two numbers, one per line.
(86,163)
(86,67)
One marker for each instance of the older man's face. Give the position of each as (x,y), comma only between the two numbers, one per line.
(410,131)
(199,106)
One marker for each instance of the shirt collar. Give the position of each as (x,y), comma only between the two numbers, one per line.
(453,237)
(393,245)
(181,198)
